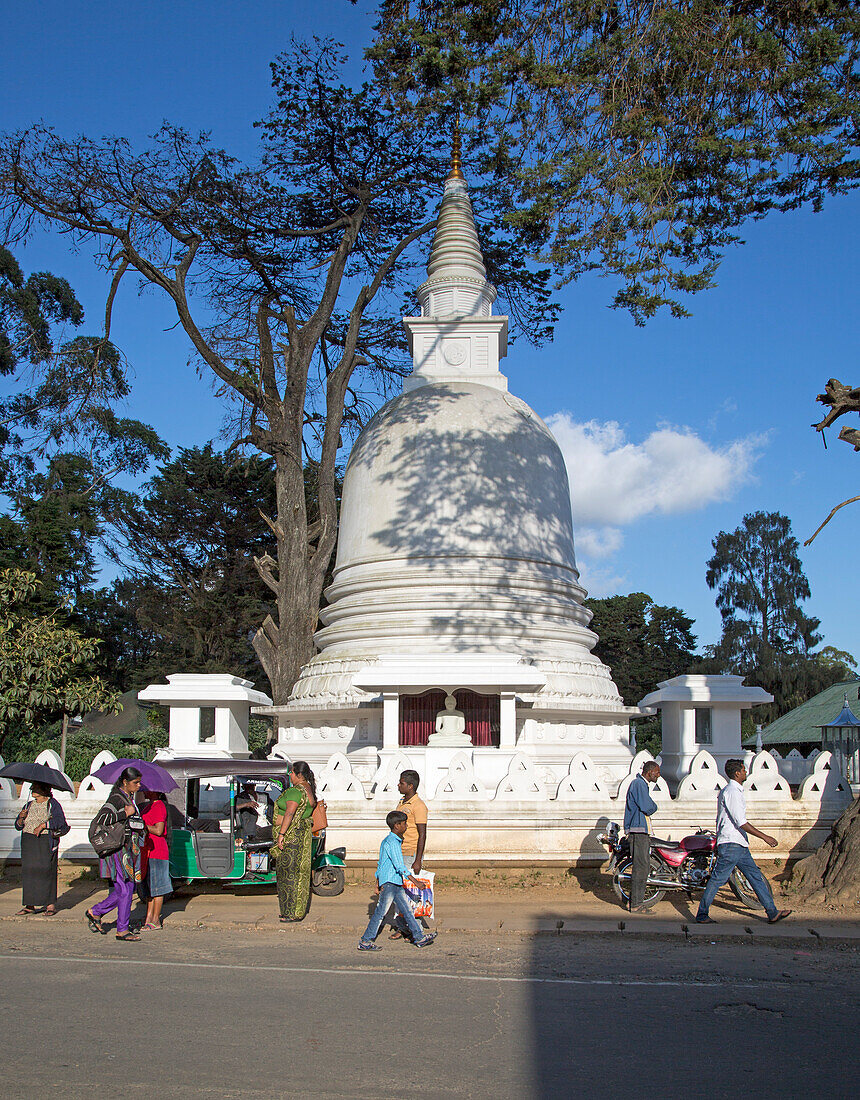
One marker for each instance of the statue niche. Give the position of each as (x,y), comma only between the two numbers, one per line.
(419,715)
(450,726)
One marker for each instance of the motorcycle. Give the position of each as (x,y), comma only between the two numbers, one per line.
(675,865)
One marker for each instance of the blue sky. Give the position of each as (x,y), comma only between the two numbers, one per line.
(671,432)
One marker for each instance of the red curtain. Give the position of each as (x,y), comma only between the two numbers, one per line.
(418,716)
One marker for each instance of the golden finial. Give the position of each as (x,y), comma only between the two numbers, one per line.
(456,172)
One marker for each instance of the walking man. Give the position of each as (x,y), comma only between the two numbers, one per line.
(637,809)
(733,848)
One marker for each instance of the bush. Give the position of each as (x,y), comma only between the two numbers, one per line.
(649,734)
(81,748)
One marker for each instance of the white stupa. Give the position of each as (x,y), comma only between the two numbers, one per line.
(455,571)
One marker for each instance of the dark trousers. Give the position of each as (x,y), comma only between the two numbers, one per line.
(640,847)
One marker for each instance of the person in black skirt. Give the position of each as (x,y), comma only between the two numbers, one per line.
(41,823)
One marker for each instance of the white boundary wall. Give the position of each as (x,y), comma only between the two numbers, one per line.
(523,818)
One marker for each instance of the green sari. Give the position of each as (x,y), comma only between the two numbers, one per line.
(293,858)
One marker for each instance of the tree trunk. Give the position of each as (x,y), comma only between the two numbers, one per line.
(833,872)
(283,647)
(63,737)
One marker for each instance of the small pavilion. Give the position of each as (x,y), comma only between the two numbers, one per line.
(842,738)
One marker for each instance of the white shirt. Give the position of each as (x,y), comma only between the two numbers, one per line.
(731,814)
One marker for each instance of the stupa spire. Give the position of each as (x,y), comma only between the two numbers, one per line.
(456,172)
(456,338)
(456,265)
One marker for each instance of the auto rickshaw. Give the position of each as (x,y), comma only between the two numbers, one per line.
(204,842)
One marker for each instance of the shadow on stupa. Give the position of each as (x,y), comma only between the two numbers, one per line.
(461,489)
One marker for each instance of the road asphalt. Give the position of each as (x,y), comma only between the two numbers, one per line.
(515,999)
(216,1012)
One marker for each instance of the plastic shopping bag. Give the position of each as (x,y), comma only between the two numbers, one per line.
(421,897)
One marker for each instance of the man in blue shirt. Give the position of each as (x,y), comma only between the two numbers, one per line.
(637,809)
(391,873)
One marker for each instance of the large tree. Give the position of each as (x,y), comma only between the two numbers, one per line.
(636,137)
(287,278)
(760,586)
(62,443)
(59,394)
(44,663)
(642,642)
(187,543)
(767,637)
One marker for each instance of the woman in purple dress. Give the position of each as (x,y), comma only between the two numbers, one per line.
(125,865)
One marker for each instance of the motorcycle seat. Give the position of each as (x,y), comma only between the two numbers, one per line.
(671,845)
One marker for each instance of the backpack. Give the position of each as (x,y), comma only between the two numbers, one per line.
(107,832)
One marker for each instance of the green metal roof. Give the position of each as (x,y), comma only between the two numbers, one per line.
(801,725)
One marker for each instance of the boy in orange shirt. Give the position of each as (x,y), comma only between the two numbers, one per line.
(415,837)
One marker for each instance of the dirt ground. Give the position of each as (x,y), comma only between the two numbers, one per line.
(588,889)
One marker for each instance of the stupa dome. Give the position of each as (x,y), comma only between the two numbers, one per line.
(456,531)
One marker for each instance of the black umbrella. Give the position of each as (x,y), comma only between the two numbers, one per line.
(37,773)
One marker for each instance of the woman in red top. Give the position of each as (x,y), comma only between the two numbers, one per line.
(158,859)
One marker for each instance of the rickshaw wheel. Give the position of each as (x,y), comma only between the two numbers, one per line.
(327,882)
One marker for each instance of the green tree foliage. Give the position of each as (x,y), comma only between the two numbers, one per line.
(42,662)
(303,262)
(60,394)
(641,642)
(58,517)
(766,636)
(760,586)
(635,138)
(192,597)
(841,664)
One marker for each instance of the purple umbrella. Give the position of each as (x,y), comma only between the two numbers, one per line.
(153,777)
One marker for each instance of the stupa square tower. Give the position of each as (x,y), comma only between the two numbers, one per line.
(455,571)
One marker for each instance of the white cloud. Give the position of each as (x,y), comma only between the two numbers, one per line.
(598,542)
(615,482)
(599,582)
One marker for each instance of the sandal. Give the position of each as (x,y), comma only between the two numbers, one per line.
(95,924)
(131,937)
(27,911)
(152,928)
(50,911)
(781,915)
(396,936)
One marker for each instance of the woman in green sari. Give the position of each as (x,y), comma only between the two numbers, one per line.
(292,831)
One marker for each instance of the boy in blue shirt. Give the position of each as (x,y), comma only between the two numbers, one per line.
(391,873)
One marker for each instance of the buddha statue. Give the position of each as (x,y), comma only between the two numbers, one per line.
(450,726)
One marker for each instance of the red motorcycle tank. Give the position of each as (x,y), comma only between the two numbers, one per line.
(698,843)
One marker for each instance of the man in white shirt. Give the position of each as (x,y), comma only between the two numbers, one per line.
(733,848)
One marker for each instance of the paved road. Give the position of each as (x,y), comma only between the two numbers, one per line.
(222,1014)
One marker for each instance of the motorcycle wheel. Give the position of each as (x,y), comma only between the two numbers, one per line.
(327,882)
(621,882)
(743,891)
